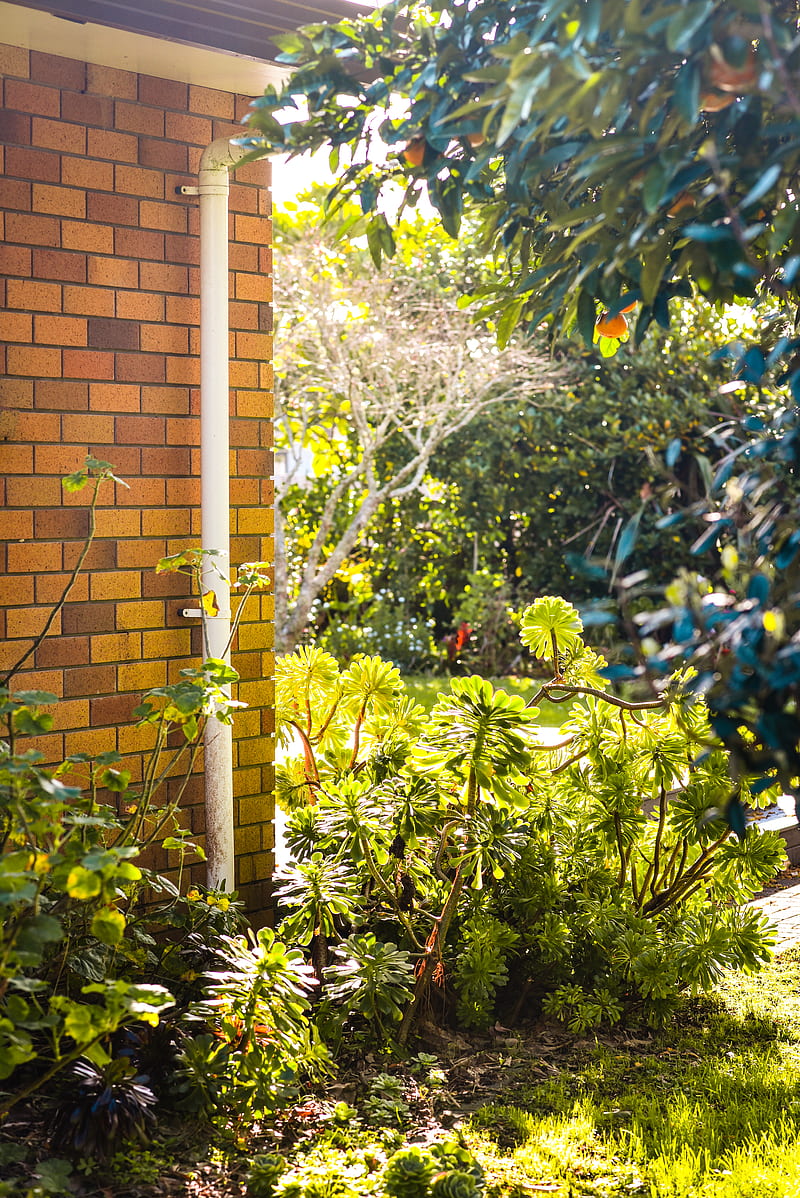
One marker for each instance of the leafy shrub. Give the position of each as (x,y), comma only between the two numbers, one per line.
(598,872)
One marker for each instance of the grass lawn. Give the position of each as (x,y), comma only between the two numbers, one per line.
(425,689)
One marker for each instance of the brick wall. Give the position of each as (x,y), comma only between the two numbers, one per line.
(99,330)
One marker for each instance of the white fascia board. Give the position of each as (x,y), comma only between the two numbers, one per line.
(32,29)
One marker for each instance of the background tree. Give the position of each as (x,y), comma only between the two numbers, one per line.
(619,152)
(374,375)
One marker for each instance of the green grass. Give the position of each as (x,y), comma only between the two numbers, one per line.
(708,1109)
(426,688)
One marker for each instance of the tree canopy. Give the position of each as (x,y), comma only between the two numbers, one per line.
(618,154)
(616,150)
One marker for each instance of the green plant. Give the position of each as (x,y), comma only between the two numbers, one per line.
(107,1104)
(370,977)
(408,1173)
(597,870)
(264,1172)
(257,1007)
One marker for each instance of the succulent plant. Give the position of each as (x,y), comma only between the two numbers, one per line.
(263,1173)
(408,1173)
(455,1183)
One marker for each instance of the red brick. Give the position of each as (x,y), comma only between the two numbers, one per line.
(259,173)
(88,110)
(46,493)
(36,164)
(32,294)
(165,155)
(183,371)
(113,709)
(87,617)
(197,130)
(243,316)
(113,334)
(114,272)
(140,368)
(183,309)
(38,426)
(183,432)
(119,147)
(61,394)
(164,93)
(32,98)
(15,260)
(88,428)
(16,326)
(59,459)
(244,257)
(85,235)
(170,461)
(89,301)
(58,524)
(140,430)
(78,172)
(14,61)
(115,397)
(139,243)
(63,651)
(170,217)
(179,248)
(88,364)
(16,393)
(150,492)
(138,118)
(243,199)
(93,680)
(15,194)
(209,102)
(135,180)
(34,361)
(60,201)
(165,338)
(165,400)
(58,135)
(102,555)
(113,209)
(256,229)
(57,71)
(60,330)
(140,305)
(33,230)
(155,276)
(33,557)
(59,264)
(110,81)
(15,128)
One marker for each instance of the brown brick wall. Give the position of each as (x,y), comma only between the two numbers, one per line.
(99,332)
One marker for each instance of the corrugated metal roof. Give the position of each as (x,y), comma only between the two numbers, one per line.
(244,27)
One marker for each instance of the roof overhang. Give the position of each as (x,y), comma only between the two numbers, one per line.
(225,44)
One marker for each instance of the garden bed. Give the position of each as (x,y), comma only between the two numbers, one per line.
(707,1107)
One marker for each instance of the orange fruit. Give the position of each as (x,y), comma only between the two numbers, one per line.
(414,152)
(475,139)
(611,326)
(725,77)
(715,102)
(630,308)
(682,200)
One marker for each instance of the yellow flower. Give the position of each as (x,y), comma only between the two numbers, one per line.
(193,896)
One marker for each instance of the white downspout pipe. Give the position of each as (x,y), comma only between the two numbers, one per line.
(215,163)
